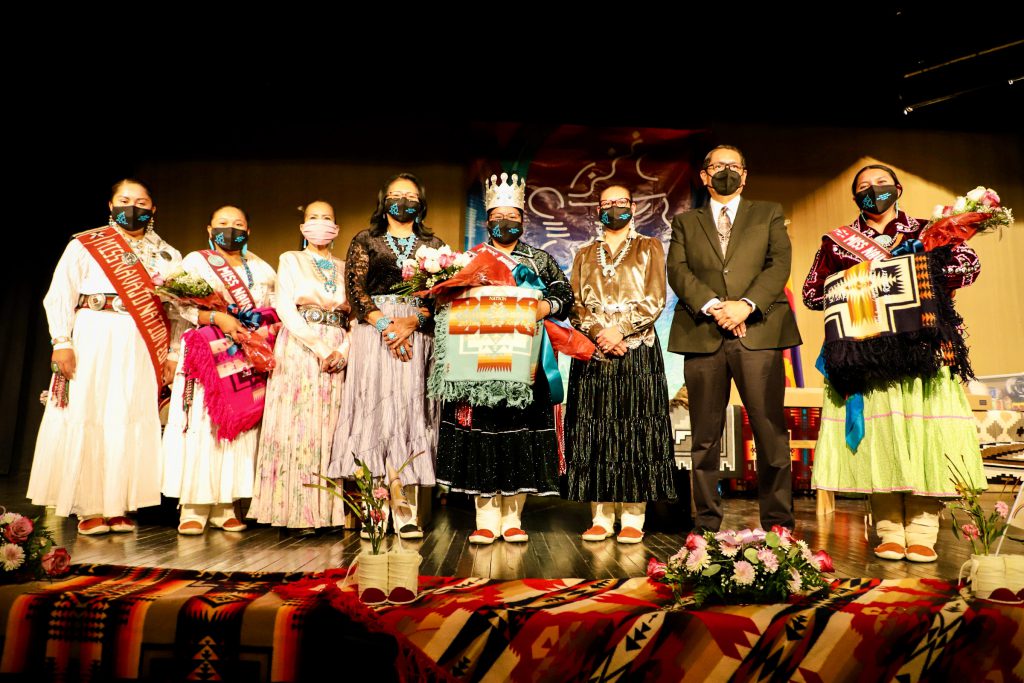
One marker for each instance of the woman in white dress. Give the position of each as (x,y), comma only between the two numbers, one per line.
(95,454)
(205,474)
(305,388)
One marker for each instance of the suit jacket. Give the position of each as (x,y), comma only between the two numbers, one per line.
(755,266)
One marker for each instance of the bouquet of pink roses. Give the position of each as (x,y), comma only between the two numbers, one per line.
(750,565)
(429,268)
(977,211)
(27,550)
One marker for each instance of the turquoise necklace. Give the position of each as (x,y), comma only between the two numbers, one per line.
(325,270)
(406,243)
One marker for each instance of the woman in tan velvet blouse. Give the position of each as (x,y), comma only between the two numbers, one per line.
(618,434)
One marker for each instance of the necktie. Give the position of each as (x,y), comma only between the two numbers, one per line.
(724,229)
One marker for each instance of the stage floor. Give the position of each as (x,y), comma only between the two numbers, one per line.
(554,550)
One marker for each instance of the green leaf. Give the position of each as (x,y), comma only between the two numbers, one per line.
(712,570)
(751,555)
(772,539)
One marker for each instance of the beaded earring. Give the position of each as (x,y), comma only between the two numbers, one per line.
(212,248)
(304,243)
(245,249)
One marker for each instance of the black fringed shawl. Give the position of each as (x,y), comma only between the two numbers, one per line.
(891,320)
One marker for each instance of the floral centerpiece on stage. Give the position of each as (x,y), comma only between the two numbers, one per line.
(430,268)
(991,575)
(370,503)
(969,519)
(382,577)
(27,550)
(744,566)
(978,211)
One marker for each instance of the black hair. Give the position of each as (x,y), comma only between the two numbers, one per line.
(228,206)
(379,219)
(707,157)
(880,167)
(129,181)
(604,187)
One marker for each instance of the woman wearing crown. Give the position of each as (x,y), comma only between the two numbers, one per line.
(498,453)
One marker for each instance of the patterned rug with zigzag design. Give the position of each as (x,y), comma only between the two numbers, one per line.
(107,622)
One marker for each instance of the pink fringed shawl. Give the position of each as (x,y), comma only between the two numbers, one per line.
(234,390)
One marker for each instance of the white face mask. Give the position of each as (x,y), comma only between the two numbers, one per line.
(319,231)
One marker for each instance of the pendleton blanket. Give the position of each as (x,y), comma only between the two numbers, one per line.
(889,320)
(234,390)
(106,622)
(487,346)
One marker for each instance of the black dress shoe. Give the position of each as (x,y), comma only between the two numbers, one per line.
(307,532)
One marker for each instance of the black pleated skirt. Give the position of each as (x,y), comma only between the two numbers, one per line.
(500,450)
(618,436)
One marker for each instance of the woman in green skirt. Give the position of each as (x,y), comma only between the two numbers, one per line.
(913,424)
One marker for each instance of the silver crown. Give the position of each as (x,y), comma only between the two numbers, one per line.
(505,193)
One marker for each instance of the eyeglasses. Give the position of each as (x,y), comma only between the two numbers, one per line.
(715,168)
(411,196)
(512,216)
(622,203)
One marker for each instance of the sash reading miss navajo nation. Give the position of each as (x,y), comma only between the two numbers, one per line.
(133,284)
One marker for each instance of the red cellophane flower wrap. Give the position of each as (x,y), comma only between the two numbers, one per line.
(568,340)
(952,230)
(485,269)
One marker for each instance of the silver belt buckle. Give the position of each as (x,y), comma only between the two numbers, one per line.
(313,315)
(95,302)
(118,305)
(334,318)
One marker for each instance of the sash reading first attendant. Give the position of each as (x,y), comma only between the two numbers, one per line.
(98,451)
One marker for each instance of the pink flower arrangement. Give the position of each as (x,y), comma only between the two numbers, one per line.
(381,493)
(27,550)
(977,525)
(978,211)
(430,267)
(749,565)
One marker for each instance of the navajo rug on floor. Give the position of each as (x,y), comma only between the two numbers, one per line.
(107,623)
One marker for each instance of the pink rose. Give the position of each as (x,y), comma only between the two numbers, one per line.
(990,199)
(380,493)
(56,562)
(695,542)
(1003,509)
(971,531)
(655,569)
(19,530)
(822,561)
(376,516)
(408,271)
(446,260)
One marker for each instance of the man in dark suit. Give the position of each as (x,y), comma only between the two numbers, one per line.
(729,263)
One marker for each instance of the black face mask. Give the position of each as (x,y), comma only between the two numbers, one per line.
(726,182)
(131,218)
(876,199)
(504,231)
(616,218)
(402,210)
(229,239)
